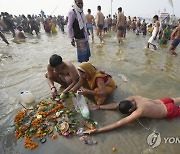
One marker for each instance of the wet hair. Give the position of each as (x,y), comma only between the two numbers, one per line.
(99,7)
(89,10)
(125,106)
(55,60)
(120,9)
(156,17)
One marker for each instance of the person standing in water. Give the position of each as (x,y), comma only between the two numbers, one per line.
(33,24)
(77,31)
(120,25)
(3,37)
(90,23)
(155,34)
(100,24)
(114,22)
(176,39)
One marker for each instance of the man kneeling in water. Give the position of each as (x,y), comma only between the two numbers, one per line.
(19,34)
(137,107)
(62,72)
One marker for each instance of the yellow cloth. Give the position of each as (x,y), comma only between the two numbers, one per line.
(94,73)
(53,28)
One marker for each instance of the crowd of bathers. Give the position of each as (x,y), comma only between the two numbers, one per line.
(30,24)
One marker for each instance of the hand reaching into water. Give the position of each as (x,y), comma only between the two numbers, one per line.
(90,131)
(83,91)
(53,92)
(93,106)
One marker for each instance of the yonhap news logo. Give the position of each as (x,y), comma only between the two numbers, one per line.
(154,140)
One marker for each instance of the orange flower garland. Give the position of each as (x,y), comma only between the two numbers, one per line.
(28,143)
(20,129)
(41,121)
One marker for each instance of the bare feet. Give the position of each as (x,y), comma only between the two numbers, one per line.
(173,53)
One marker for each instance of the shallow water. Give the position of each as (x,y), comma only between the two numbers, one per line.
(137,71)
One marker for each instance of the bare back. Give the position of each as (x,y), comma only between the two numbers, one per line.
(150,108)
(178,32)
(67,70)
(121,19)
(90,19)
(100,18)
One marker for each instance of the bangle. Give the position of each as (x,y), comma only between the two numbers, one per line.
(53,87)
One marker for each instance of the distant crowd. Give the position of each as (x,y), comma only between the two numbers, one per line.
(118,23)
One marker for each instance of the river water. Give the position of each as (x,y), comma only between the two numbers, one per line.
(137,71)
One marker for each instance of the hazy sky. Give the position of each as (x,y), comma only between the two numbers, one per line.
(140,8)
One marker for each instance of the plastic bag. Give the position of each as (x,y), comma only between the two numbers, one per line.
(81,105)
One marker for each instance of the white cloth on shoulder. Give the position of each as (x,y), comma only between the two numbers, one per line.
(80,16)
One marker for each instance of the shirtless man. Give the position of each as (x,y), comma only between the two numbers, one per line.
(109,23)
(90,23)
(176,39)
(100,24)
(120,25)
(9,22)
(114,22)
(62,72)
(19,33)
(137,107)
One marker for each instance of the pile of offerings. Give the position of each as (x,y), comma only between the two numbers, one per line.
(48,119)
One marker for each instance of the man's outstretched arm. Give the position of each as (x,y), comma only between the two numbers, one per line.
(135,115)
(111,106)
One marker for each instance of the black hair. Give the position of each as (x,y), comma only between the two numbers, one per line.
(19,27)
(125,106)
(99,7)
(156,17)
(120,9)
(89,10)
(55,60)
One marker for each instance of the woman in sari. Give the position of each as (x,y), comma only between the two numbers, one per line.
(100,84)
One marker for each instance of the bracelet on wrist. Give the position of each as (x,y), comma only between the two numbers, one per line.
(53,87)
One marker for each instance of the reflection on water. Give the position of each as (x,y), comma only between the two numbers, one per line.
(137,71)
